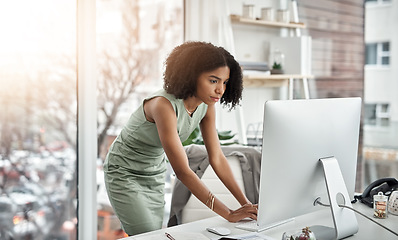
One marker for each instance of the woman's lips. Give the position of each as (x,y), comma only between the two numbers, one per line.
(215,99)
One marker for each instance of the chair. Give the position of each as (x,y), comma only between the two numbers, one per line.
(195,210)
(245,165)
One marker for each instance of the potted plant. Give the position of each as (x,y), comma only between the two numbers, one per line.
(277,68)
(278,59)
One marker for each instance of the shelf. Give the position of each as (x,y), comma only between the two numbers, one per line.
(276,76)
(239,19)
(274,80)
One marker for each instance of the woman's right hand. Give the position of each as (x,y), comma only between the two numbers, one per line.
(246,211)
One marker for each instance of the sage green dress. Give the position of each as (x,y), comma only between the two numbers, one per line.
(135,167)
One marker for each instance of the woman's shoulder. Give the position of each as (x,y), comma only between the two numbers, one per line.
(162,93)
(164,98)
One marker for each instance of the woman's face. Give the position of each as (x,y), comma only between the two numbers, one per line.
(211,85)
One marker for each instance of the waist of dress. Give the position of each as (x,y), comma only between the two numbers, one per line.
(136,169)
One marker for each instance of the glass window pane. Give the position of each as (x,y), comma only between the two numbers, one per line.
(133,40)
(385,47)
(371,53)
(38,119)
(385,60)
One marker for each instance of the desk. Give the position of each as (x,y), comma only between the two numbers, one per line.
(367,229)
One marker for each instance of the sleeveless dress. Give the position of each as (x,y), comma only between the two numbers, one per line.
(135,167)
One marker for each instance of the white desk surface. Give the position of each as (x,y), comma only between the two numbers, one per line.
(367,229)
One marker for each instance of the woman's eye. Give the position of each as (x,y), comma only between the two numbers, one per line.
(225,83)
(213,81)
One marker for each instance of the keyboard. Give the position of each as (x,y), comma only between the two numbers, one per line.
(254,227)
(249,236)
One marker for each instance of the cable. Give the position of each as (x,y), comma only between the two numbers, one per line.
(363,215)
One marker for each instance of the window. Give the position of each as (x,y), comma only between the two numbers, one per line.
(378,54)
(377,113)
(38,120)
(38,126)
(133,40)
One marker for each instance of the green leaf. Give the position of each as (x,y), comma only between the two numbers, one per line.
(196,137)
(276,66)
(225,135)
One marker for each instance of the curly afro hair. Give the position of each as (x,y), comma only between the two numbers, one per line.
(189,60)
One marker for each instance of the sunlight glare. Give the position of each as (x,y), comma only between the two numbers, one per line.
(32,27)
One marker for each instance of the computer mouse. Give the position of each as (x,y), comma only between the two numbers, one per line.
(222,231)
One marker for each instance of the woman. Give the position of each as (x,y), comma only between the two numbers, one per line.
(197,76)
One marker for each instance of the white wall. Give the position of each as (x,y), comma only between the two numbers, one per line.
(381,85)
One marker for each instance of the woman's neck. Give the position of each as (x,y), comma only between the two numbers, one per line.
(191,104)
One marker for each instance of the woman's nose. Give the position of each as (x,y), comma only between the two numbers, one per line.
(220,89)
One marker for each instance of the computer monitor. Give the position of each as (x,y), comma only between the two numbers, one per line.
(296,135)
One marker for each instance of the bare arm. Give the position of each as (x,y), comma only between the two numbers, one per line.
(160,111)
(217,159)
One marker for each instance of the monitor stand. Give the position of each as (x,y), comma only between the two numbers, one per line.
(345,222)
